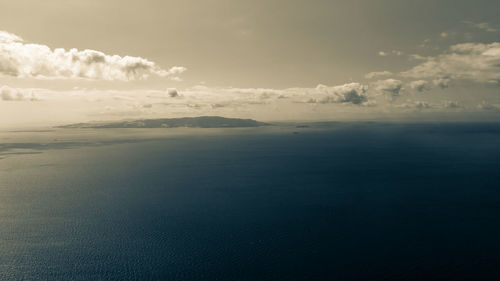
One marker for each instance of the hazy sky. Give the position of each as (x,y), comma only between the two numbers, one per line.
(226,48)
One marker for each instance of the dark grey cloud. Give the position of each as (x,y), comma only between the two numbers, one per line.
(171,92)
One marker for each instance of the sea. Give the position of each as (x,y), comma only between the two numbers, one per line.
(291,201)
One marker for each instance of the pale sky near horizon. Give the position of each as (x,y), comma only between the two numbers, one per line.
(414,50)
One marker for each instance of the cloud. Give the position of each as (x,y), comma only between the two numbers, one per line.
(6,37)
(203,96)
(172,92)
(451,105)
(352,100)
(389,86)
(482,25)
(420,85)
(475,62)
(417,57)
(354,93)
(419,105)
(12,94)
(442,82)
(26,60)
(486,106)
(442,106)
(375,74)
(393,52)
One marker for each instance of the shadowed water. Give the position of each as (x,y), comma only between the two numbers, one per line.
(331,201)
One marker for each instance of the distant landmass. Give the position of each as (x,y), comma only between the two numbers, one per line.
(190,122)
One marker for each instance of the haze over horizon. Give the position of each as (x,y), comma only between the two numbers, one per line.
(71,61)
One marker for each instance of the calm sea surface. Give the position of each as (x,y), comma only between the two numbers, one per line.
(360,201)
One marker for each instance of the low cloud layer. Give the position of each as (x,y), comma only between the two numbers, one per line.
(342,102)
(27,60)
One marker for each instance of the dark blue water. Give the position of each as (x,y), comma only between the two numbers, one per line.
(344,202)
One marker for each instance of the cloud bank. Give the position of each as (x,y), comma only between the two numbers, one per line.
(27,60)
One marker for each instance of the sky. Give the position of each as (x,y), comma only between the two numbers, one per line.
(63,61)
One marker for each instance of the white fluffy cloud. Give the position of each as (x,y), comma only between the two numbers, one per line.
(469,61)
(6,37)
(20,59)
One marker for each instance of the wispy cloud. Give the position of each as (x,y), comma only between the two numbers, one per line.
(376,74)
(482,25)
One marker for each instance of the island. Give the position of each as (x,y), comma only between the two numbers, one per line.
(186,122)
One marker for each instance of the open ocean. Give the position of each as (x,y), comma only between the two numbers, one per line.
(328,201)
